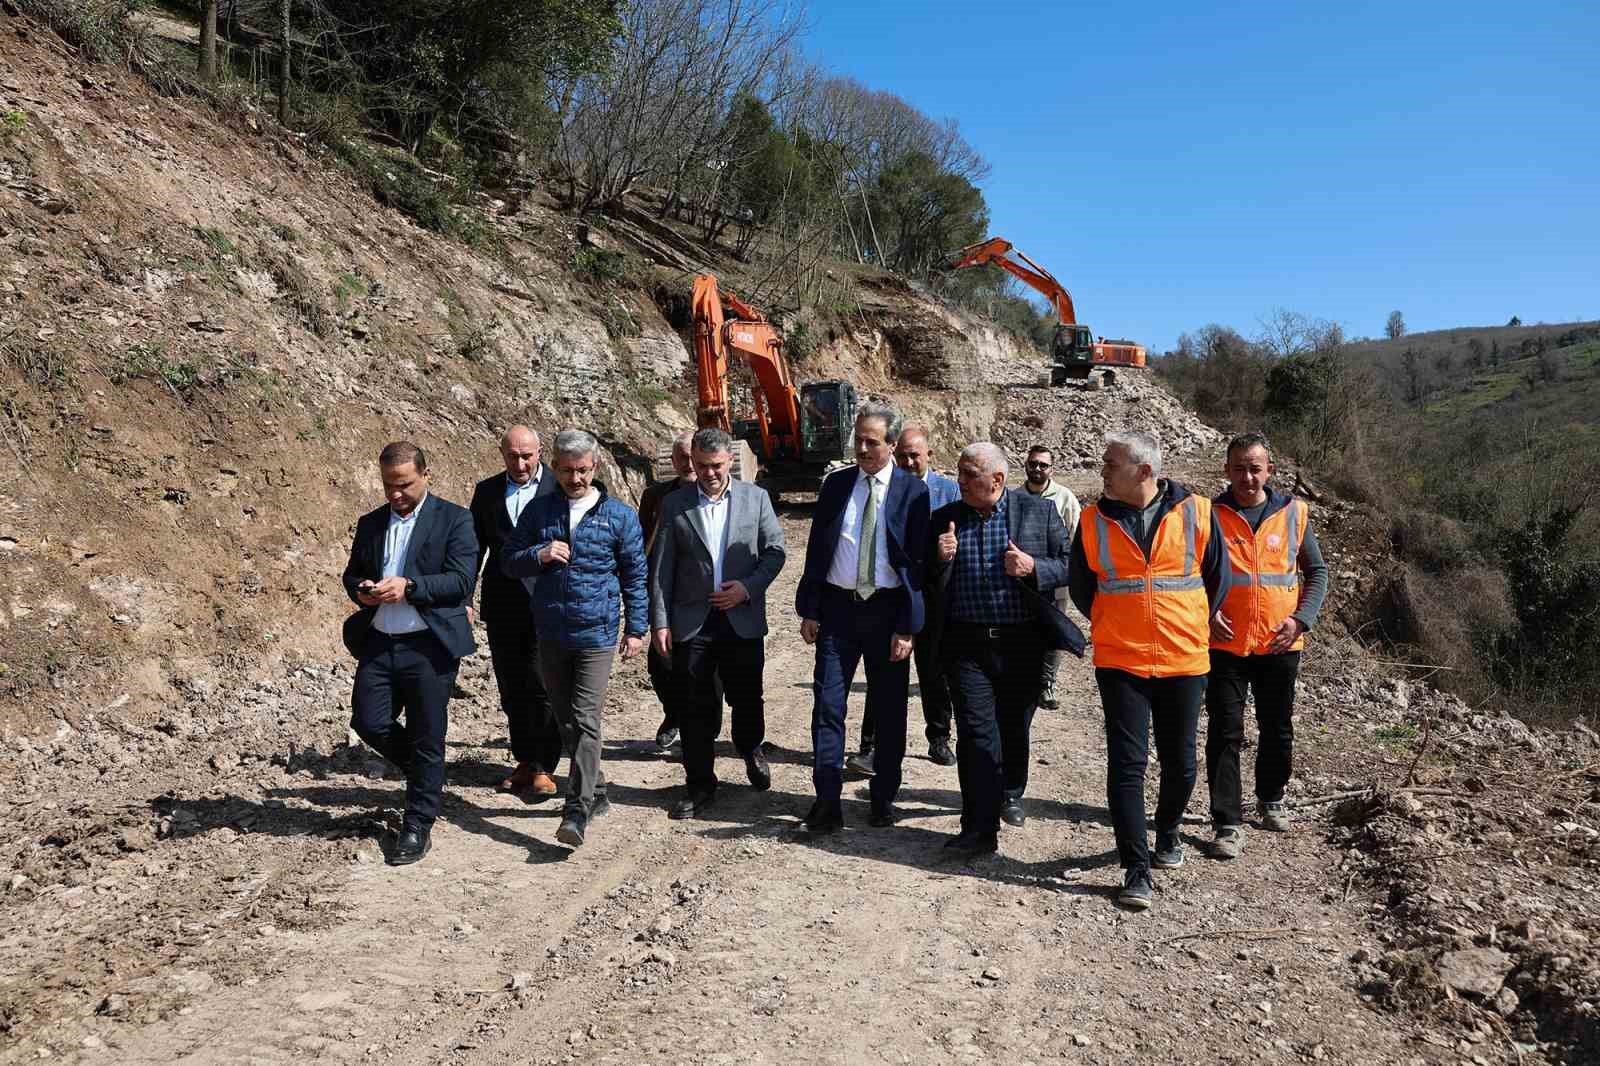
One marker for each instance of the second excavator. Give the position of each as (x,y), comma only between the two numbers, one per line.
(796,433)
(1074,352)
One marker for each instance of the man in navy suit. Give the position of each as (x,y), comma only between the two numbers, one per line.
(497,503)
(860,598)
(411,570)
(913,454)
(994,558)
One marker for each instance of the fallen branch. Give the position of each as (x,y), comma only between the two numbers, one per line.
(1335,797)
(1250,934)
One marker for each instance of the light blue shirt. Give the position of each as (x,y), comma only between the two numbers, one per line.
(715,513)
(398,618)
(519,496)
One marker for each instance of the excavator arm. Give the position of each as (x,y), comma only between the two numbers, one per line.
(752,337)
(1000,252)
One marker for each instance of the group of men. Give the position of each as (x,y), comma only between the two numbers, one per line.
(1192,601)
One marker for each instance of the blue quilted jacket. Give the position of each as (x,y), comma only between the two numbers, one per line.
(579,604)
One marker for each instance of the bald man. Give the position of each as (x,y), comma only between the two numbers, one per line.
(497,503)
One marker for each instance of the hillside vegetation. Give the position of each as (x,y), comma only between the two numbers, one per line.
(1482,445)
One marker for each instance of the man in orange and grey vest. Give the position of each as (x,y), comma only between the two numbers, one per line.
(1149,567)
(1257,636)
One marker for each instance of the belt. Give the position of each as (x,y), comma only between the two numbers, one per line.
(978,631)
(853,594)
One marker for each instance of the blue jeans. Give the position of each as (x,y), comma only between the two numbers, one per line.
(1133,705)
(852,631)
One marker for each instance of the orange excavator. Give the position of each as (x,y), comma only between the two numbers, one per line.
(797,432)
(1074,352)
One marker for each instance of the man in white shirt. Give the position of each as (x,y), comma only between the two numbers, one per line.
(497,502)
(717,548)
(860,598)
(411,572)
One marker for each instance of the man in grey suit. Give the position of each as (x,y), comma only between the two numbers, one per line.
(717,547)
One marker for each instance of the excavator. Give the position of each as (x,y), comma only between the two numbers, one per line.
(1074,352)
(798,432)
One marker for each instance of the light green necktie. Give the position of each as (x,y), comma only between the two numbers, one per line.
(867,544)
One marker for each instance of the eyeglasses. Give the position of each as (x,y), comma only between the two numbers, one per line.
(1032,465)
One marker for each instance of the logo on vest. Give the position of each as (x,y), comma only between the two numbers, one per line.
(1274,541)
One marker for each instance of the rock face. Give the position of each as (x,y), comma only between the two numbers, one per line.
(1476,971)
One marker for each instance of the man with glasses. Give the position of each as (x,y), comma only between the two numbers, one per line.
(1039,465)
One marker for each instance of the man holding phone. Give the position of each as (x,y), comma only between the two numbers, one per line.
(411,571)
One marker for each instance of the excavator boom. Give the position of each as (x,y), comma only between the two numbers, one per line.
(752,337)
(1003,254)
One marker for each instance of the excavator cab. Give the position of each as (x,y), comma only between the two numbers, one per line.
(1071,353)
(827,421)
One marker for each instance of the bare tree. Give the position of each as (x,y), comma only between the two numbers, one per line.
(1396,326)
(283,64)
(208,40)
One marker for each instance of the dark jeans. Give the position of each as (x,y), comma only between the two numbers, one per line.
(577,679)
(1132,706)
(1272,677)
(854,631)
(934,692)
(409,676)
(535,737)
(994,683)
(717,654)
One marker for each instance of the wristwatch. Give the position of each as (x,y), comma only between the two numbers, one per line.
(411,587)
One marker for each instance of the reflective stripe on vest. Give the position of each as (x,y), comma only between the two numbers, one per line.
(1266,576)
(1153,624)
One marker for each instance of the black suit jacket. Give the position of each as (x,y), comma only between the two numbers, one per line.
(439,559)
(1035,526)
(904,523)
(505,599)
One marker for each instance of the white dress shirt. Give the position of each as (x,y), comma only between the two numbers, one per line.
(398,618)
(519,496)
(842,572)
(715,515)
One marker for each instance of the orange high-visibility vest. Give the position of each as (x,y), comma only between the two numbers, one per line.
(1266,576)
(1150,616)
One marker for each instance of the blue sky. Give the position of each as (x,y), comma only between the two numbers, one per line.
(1175,167)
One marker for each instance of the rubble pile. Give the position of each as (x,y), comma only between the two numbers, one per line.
(1073,419)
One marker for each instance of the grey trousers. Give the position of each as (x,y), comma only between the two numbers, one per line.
(576,679)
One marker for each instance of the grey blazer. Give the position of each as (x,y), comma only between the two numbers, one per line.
(680,561)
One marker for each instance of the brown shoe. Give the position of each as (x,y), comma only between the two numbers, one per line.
(524,776)
(542,785)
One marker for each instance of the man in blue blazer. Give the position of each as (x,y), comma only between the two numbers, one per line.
(914,455)
(411,570)
(860,598)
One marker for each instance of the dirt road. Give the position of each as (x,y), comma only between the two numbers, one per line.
(731,940)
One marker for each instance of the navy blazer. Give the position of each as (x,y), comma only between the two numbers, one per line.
(504,599)
(904,523)
(1034,525)
(439,558)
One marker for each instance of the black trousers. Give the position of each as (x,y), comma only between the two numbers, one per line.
(934,689)
(1133,706)
(1232,677)
(994,683)
(531,725)
(713,662)
(407,676)
(666,688)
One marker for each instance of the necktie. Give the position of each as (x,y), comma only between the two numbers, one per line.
(867,544)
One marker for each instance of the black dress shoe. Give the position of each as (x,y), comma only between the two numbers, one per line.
(573,824)
(939,751)
(411,845)
(692,805)
(824,818)
(883,817)
(1011,812)
(755,764)
(971,844)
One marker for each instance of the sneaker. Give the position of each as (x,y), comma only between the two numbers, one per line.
(1047,697)
(1137,891)
(1169,851)
(1228,841)
(861,762)
(665,739)
(1274,816)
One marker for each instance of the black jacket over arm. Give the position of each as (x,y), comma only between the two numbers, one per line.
(1035,527)
(439,558)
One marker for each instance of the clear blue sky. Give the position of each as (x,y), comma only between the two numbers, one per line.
(1175,167)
